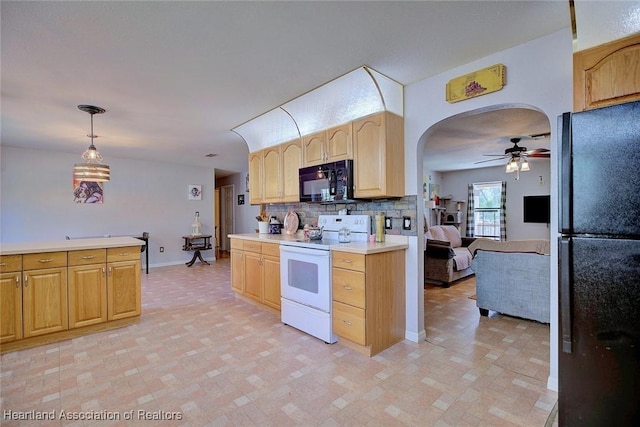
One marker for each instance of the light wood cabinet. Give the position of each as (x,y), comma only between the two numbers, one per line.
(255,178)
(607,74)
(368,299)
(10,298)
(44,293)
(87,287)
(123,279)
(378,151)
(51,296)
(328,145)
(255,271)
(291,154)
(280,177)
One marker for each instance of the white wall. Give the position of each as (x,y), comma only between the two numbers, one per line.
(455,183)
(37,201)
(539,74)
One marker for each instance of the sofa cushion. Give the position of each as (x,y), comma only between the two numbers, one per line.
(436,233)
(462,258)
(452,235)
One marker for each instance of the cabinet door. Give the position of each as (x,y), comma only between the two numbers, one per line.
(253,275)
(271,277)
(123,290)
(237,270)
(11,303)
(272,175)
(44,301)
(87,295)
(314,149)
(339,143)
(255,178)
(370,151)
(291,163)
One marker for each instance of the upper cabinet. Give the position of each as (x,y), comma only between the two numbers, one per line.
(273,173)
(328,145)
(255,177)
(607,74)
(378,152)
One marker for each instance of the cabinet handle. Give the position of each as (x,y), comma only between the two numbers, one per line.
(104,271)
(17,281)
(123,253)
(88,257)
(2,264)
(110,268)
(346,322)
(346,261)
(26,281)
(347,287)
(44,260)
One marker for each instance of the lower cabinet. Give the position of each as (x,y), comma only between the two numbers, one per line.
(10,298)
(87,287)
(123,283)
(44,293)
(255,271)
(47,296)
(368,299)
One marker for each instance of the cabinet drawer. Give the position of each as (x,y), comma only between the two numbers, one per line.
(9,263)
(251,246)
(126,253)
(348,260)
(236,244)
(272,249)
(349,322)
(348,287)
(89,256)
(44,260)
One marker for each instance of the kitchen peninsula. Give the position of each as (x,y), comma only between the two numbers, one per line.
(57,290)
(365,284)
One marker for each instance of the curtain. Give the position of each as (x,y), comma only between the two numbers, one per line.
(471,223)
(503,212)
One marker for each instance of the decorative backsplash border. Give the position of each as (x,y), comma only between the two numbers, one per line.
(395,209)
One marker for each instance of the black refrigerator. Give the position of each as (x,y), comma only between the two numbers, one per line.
(599,267)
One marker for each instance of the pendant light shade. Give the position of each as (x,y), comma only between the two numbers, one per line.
(92,169)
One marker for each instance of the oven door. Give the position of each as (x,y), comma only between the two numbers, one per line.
(305,276)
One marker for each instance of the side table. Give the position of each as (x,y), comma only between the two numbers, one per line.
(196,244)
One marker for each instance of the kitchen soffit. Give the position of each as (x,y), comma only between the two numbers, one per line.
(356,94)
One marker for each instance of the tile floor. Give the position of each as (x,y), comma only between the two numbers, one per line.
(201,357)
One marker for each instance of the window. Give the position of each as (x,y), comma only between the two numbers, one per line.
(487,197)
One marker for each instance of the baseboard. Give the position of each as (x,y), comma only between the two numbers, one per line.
(415,337)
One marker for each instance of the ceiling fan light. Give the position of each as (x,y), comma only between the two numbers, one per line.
(524,166)
(512,166)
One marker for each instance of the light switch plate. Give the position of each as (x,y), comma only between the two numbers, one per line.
(387,223)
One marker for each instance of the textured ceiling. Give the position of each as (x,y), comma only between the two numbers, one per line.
(175,77)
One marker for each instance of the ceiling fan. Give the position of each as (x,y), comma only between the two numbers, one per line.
(517,155)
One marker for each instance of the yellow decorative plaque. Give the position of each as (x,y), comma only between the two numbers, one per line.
(481,82)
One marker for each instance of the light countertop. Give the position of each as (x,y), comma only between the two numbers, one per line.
(68,245)
(391,243)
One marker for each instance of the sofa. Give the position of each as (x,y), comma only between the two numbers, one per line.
(512,278)
(446,255)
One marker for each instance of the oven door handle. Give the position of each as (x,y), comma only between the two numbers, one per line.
(304,251)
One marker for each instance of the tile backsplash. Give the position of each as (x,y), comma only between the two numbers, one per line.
(396,209)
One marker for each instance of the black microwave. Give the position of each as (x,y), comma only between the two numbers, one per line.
(330,182)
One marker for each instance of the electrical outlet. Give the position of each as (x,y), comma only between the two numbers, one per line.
(387,223)
(406,223)
(197,213)
(161,248)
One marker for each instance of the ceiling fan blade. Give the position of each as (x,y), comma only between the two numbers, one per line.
(485,161)
(539,152)
(496,155)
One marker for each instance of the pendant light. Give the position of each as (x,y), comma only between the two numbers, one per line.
(92,169)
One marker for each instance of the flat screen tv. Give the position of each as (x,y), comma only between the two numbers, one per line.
(537,209)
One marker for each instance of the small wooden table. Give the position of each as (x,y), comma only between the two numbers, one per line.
(196,244)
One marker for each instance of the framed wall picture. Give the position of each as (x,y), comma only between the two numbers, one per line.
(195,192)
(241,199)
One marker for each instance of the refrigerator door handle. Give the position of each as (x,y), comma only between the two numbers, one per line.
(564,255)
(565,174)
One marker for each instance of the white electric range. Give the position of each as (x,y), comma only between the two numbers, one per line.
(305,275)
